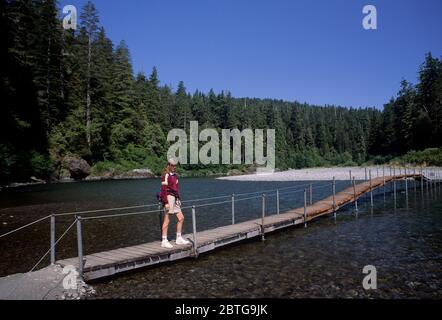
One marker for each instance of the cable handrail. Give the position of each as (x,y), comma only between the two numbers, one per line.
(323,186)
(245,194)
(102,210)
(291,192)
(25,226)
(151,205)
(56,242)
(44,256)
(118,215)
(205,199)
(184,201)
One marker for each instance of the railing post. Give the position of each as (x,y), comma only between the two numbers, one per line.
(383,180)
(414,180)
(394,177)
(365,173)
(195,244)
(305,208)
(80,246)
(277,201)
(52,239)
(406,184)
(391,187)
(437,180)
(428,188)
(383,174)
(433,181)
(371,191)
(394,190)
(354,192)
(350,177)
(334,197)
(233,208)
(311,194)
(263,216)
(160,218)
(422,184)
(436,177)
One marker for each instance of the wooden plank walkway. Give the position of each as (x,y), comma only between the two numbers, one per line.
(104,264)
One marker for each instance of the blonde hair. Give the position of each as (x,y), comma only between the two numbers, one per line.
(166,170)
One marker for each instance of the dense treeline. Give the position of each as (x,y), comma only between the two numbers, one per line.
(413,120)
(74,92)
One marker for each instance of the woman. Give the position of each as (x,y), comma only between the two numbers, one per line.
(170,197)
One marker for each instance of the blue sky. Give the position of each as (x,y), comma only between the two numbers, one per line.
(310,51)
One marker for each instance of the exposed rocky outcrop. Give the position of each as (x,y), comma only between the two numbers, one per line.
(78,168)
(133,174)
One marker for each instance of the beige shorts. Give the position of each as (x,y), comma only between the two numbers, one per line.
(174,205)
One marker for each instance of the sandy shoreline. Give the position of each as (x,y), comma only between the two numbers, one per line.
(314,174)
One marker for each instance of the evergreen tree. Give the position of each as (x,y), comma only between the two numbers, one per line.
(125,120)
(89,27)
(181,114)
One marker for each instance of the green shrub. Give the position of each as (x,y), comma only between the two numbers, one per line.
(7,162)
(41,165)
(427,157)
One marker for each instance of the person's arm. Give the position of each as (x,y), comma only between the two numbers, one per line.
(163,193)
(178,190)
(165,182)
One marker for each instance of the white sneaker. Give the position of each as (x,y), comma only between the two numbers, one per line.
(181,240)
(166,244)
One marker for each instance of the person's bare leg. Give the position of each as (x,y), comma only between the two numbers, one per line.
(165,225)
(179,225)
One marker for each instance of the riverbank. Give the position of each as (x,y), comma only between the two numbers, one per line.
(67,180)
(136,174)
(312,174)
(306,174)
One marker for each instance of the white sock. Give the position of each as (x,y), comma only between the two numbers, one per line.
(164,238)
(178,235)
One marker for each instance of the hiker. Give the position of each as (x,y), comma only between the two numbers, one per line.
(170,197)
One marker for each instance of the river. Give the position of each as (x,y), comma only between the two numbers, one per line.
(325,260)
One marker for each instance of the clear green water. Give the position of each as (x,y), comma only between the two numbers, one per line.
(324,260)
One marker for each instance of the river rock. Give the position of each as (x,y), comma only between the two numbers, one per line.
(142,173)
(78,168)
